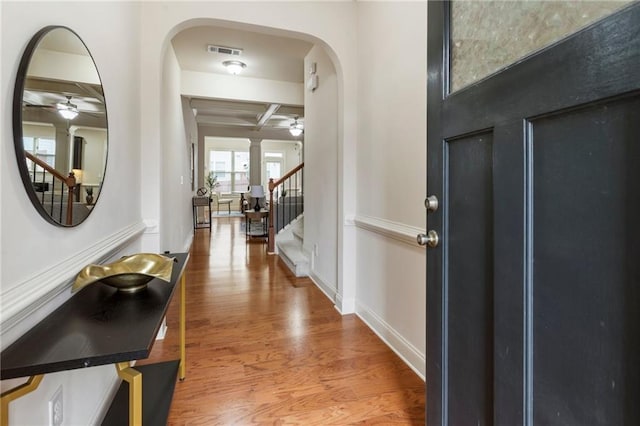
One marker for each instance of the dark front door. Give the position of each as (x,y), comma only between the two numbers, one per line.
(533,291)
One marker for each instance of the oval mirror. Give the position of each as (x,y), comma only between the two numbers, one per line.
(60,126)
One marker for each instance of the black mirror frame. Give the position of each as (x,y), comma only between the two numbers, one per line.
(18,144)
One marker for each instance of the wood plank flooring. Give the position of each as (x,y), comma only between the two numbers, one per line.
(267,348)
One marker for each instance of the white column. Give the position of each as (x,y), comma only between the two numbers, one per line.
(255,158)
(63,149)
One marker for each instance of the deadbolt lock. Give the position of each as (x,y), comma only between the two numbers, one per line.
(431,203)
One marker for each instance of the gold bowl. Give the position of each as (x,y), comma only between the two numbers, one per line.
(128,274)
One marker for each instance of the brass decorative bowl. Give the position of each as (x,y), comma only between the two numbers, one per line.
(128,274)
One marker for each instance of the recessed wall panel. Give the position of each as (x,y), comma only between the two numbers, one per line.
(469,292)
(586,313)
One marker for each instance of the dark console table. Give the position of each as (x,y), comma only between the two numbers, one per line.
(98,326)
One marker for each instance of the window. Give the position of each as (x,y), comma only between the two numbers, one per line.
(231,169)
(44,149)
(273,165)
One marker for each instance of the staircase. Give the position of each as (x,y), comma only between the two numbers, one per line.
(289,245)
(286,220)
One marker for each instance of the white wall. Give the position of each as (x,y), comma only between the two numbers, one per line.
(36,130)
(220,86)
(321,173)
(40,260)
(213,143)
(94,155)
(176,227)
(292,156)
(391,173)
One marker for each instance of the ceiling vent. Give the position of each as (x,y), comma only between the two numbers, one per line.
(224,50)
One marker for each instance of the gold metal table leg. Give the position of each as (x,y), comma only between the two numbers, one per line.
(134,378)
(15,393)
(183,300)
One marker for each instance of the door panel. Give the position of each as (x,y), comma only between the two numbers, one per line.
(533,311)
(470,279)
(586,316)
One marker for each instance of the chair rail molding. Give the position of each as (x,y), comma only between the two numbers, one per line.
(398,231)
(20,301)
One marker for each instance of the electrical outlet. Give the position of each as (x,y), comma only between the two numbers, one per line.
(56,409)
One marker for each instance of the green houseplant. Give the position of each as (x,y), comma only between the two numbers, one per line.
(211,181)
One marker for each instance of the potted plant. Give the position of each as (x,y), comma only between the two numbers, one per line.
(211,181)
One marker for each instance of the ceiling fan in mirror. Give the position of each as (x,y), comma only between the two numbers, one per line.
(67,110)
(64,107)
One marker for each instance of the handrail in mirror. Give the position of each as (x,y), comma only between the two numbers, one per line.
(69,181)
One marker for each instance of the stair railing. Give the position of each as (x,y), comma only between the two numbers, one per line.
(55,207)
(290,185)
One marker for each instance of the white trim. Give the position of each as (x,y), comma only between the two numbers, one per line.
(345,306)
(104,404)
(22,300)
(162,332)
(186,247)
(398,231)
(404,349)
(350,220)
(331,293)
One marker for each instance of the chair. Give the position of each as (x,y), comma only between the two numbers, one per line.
(226,201)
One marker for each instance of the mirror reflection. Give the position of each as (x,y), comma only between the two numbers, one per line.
(60,126)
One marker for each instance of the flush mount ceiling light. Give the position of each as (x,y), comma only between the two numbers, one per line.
(234,67)
(67,110)
(296,128)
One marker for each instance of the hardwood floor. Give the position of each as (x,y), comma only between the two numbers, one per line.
(264,347)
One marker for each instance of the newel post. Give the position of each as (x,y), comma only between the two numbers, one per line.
(71,183)
(272,235)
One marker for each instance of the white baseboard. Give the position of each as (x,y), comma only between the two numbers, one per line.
(345,306)
(106,400)
(22,300)
(186,246)
(323,286)
(162,331)
(405,350)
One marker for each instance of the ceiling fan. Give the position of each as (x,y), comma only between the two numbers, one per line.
(68,110)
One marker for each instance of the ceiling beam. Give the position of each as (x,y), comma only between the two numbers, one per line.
(267,115)
(266,133)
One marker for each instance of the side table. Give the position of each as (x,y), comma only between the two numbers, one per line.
(201,212)
(251,218)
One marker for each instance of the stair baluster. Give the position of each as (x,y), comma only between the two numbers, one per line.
(294,209)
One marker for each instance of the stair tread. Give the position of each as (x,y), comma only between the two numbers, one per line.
(293,250)
(297,228)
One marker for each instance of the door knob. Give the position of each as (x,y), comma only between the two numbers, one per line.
(431,203)
(430,239)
